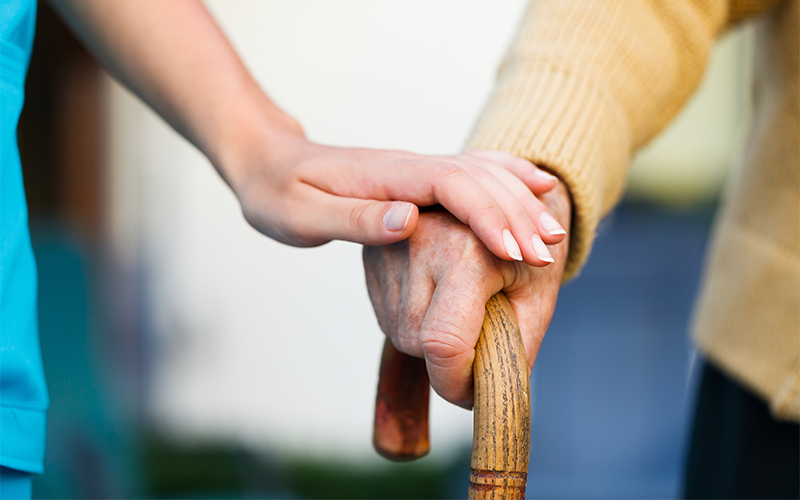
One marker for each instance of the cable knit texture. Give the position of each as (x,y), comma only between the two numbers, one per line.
(586,83)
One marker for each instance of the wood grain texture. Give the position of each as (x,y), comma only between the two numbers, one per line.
(502,418)
(400,432)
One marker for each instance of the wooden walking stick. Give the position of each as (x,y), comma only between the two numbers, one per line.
(502,417)
(401,407)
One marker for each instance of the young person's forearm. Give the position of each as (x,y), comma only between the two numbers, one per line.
(174,57)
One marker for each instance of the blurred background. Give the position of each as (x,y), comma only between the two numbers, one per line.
(188,356)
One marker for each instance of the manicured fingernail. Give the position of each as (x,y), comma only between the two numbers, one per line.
(540,249)
(545,175)
(511,245)
(550,225)
(396,218)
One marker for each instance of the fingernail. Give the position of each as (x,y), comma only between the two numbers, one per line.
(540,249)
(545,175)
(511,245)
(550,225)
(396,218)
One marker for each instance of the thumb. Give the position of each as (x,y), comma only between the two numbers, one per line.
(369,222)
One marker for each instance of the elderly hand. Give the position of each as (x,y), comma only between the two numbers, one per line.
(429,293)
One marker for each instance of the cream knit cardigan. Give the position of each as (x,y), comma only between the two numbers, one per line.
(586,83)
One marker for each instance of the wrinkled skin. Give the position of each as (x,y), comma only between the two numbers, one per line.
(429,294)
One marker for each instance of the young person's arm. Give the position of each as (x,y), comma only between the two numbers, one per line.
(175,57)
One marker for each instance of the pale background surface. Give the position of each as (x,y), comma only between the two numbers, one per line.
(272,346)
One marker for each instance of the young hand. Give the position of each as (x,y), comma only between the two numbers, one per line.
(174,56)
(306,194)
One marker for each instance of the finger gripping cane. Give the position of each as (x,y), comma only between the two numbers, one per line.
(501,436)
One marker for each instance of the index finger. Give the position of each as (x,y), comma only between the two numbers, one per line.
(428,182)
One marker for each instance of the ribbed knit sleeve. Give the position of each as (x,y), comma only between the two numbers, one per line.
(586,83)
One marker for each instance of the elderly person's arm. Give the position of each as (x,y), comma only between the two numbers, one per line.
(584,84)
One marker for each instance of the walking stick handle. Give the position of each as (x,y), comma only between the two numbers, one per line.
(501,435)
(401,407)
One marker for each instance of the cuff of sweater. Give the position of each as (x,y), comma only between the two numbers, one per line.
(567,124)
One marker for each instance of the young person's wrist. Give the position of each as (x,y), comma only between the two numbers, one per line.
(258,135)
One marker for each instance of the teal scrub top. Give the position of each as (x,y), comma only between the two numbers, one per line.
(23,395)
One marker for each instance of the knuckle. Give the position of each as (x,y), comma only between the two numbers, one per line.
(483,172)
(445,171)
(354,215)
(489,213)
(488,210)
(442,344)
(518,212)
(466,252)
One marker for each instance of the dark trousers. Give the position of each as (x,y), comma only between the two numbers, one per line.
(737,449)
